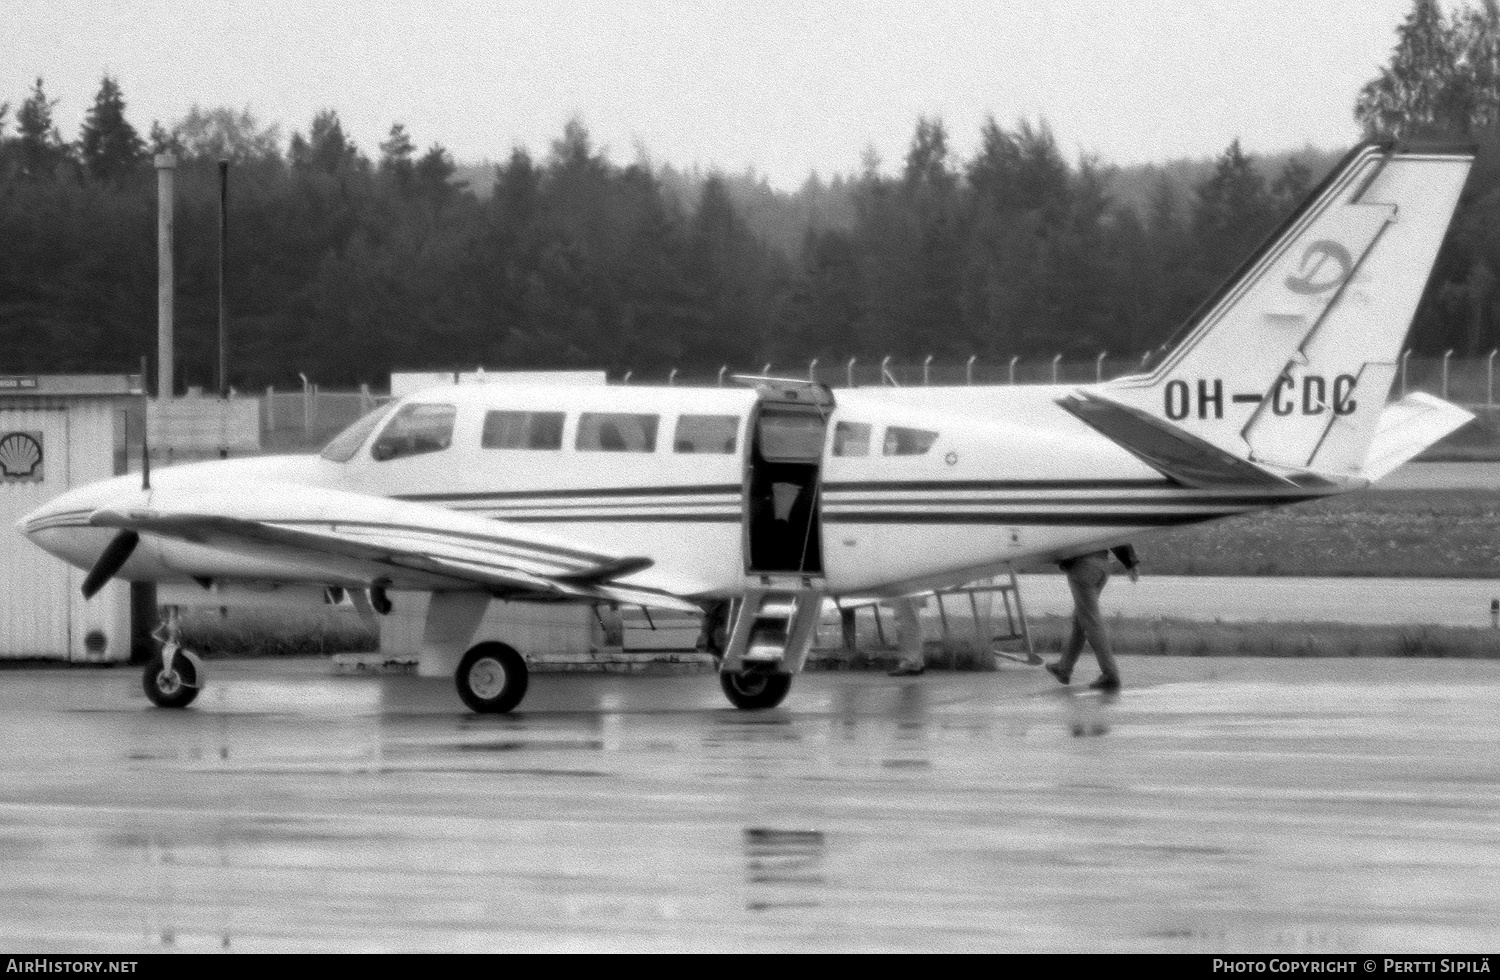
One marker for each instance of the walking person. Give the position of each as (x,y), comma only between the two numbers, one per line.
(1087,575)
(913,660)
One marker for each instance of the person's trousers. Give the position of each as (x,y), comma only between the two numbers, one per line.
(909,634)
(1086,581)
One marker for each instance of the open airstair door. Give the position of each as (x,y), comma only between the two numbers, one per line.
(773,630)
(783,533)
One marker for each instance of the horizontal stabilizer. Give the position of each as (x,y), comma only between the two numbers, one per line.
(1406,428)
(1171,451)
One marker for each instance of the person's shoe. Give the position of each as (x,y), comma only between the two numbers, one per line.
(1063,677)
(1106,683)
(908,670)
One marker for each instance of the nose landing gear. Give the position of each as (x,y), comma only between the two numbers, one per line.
(173,677)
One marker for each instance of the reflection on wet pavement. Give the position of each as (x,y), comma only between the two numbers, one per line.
(1213,805)
(783,868)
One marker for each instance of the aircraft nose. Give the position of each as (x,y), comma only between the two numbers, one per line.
(61,526)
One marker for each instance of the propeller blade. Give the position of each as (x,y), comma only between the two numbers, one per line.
(111,560)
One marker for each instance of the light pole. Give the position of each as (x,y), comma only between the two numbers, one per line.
(1446,355)
(1055,362)
(671,377)
(812,371)
(1405,355)
(723,371)
(926,369)
(1013,361)
(850,370)
(1489,398)
(1099,365)
(885,371)
(166,166)
(969,369)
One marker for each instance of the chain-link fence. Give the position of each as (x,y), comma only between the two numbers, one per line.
(302,420)
(1466,381)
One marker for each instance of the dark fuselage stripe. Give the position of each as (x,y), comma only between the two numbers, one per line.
(833,486)
(1160,500)
(659,491)
(616,518)
(1013,519)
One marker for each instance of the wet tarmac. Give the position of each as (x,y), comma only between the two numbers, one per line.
(1214,805)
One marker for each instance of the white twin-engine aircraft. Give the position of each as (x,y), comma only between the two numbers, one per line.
(755,504)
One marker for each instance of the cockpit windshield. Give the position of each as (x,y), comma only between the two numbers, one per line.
(342,447)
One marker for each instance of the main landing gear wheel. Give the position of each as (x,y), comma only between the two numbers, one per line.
(752,690)
(172,686)
(492,678)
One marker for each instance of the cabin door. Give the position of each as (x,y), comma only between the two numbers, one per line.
(782,481)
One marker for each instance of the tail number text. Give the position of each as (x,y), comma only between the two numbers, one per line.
(1312,394)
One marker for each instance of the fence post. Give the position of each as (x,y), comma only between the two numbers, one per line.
(969,369)
(1055,361)
(1013,361)
(306,404)
(812,371)
(1099,365)
(1446,356)
(1404,356)
(926,368)
(850,369)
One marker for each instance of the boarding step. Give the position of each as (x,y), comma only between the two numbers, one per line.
(773,628)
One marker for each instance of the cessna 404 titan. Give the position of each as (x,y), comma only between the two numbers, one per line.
(755,504)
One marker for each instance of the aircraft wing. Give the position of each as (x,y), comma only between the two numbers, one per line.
(338,538)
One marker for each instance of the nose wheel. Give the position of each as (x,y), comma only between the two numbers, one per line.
(174,676)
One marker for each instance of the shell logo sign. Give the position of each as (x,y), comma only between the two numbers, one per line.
(21,457)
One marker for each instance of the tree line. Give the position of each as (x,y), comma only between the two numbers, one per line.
(345,266)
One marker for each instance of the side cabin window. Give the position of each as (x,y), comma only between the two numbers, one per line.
(522,430)
(706,434)
(907,442)
(415,429)
(851,439)
(617,432)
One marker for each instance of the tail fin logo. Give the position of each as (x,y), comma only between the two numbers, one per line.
(1325,265)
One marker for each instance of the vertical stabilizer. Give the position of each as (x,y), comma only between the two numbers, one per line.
(1289,366)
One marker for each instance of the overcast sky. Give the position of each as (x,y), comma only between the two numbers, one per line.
(780,86)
